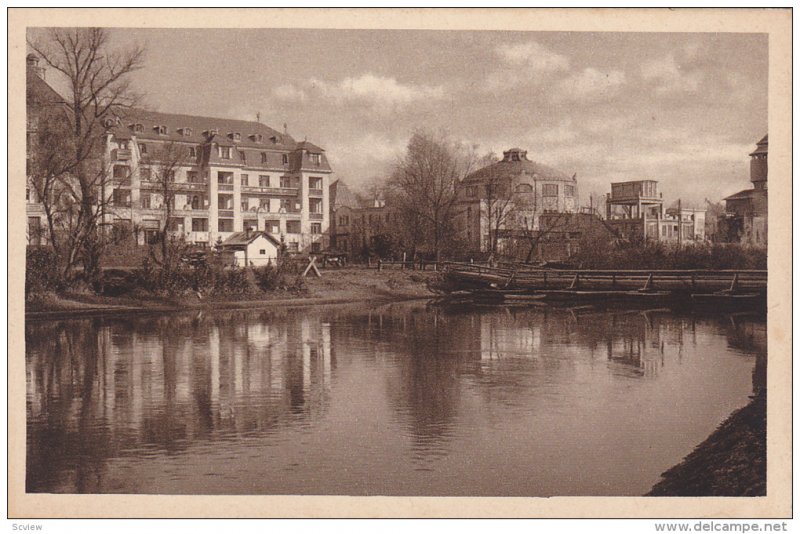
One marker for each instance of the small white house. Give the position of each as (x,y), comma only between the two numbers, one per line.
(250,249)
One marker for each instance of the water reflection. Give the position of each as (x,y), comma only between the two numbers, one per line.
(398,399)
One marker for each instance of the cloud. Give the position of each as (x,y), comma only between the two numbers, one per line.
(524,63)
(378,92)
(289,93)
(669,77)
(589,84)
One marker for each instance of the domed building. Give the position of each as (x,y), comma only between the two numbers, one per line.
(507,198)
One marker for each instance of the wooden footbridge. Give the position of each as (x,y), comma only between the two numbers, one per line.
(701,286)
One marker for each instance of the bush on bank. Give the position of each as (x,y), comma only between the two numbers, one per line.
(656,255)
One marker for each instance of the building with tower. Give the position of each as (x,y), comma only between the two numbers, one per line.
(746,211)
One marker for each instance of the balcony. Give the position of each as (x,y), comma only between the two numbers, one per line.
(175,186)
(225,214)
(279,191)
(225,187)
(197,237)
(120,154)
(315,192)
(315,216)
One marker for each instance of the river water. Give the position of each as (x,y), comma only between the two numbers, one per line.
(399,399)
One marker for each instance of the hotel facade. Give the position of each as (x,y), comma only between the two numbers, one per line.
(234,176)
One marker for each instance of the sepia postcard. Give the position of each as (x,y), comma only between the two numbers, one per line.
(400,263)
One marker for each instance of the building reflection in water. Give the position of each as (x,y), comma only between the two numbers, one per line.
(100,389)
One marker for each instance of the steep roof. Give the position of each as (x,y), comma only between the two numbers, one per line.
(514,163)
(240,239)
(762,147)
(39,91)
(341,195)
(176,124)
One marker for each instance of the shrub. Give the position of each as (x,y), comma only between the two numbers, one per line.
(42,273)
(270,277)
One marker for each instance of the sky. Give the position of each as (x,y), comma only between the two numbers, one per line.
(683,109)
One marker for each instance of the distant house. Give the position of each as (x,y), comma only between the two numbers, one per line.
(746,211)
(250,249)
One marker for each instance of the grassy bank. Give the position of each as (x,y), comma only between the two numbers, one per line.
(335,285)
(731,462)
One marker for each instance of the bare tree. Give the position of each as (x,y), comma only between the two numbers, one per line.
(499,202)
(161,166)
(425,181)
(98,80)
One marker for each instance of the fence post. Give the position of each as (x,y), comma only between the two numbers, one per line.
(380,264)
(575,282)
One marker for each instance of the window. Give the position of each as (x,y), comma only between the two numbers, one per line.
(146,200)
(162,130)
(344,220)
(236,136)
(250,224)
(121,198)
(316,159)
(258,138)
(196,202)
(225,202)
(225,178)
(245,180)
(186,132)
(286,205)
(293,246)
(192,152)
(225,152)
(285,159)
(293,227)
(569,190)
(472,191)
(123,145)
(263,157)
(264,204)
(225,225)
(314,182)
(315,205)
(142,148)
(145,174)
(286,181)
(550,190)
(169,176)
(273,227)
(316,228)
(524,188)
(263,180)
(242,156)
(316,247)
(138,128)
(199,225)
(193,177)
(262,251)
(120,172)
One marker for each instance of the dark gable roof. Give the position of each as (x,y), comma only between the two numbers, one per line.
(311,147)
(39,91)
(240,239)
(747,193)
(150,120)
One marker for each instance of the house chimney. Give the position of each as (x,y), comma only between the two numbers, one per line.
(33,65)
(285,129)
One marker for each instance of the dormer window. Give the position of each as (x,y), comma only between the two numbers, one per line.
(210,133)
(275,139)
(258,138)
(138,128)
(192,152)
(142,148)
(285,159)
(225,152)
(236,136)
(186,132)
(161,129)
(263,157)
(242,155)
(316,159)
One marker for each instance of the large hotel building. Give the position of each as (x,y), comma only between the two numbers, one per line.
(237,176)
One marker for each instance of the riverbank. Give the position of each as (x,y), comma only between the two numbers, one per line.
(335,286)
(731,462)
